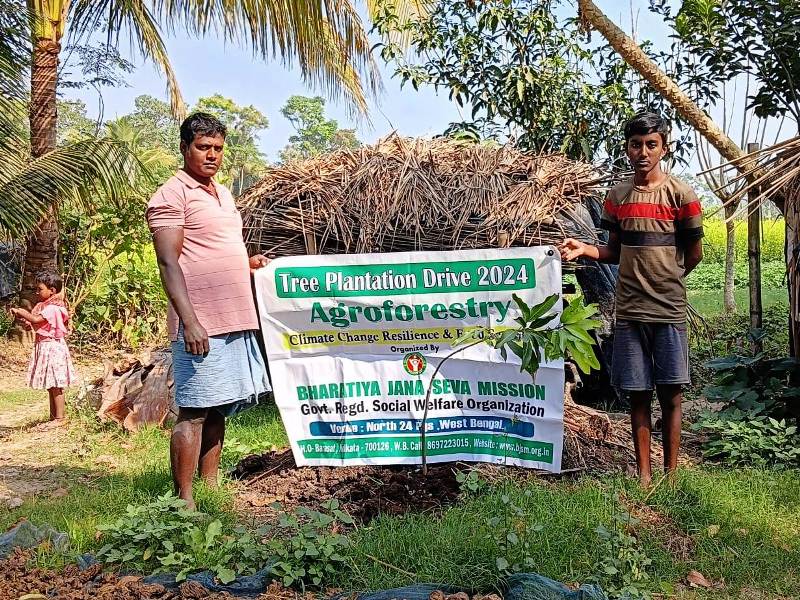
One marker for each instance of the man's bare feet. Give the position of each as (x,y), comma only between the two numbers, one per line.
(190,504)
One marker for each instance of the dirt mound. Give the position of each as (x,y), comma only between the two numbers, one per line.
(19,580)
(364,492)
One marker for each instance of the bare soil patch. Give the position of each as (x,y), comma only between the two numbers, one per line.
(364,492)
(675,540)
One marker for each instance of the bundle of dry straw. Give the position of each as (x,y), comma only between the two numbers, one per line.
(412,194)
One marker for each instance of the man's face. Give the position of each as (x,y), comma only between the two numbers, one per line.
(645,151)
(204,155)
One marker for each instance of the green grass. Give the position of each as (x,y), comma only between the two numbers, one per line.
(13,398)
(711,303)
(98,496)
(757,513)
(758,544)
(460,548)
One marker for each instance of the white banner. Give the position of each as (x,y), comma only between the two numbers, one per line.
(353,341)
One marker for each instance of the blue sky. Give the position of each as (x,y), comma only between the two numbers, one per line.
(207,66)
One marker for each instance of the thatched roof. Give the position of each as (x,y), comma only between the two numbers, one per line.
(413,194)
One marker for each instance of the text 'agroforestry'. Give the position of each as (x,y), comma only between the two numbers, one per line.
(345,315)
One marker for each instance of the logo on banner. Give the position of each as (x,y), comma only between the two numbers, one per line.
(414,363)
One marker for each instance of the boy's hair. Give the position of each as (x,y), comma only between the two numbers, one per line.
(201,123)
(647,122)
(51,280)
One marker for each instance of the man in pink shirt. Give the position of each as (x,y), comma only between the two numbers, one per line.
(217,365)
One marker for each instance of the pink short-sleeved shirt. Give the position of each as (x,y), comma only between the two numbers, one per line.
(214,259)
(55,321)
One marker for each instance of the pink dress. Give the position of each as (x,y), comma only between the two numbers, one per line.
(51,364)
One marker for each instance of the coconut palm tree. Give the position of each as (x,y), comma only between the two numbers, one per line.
(324,38)
(593,18)
(29,186)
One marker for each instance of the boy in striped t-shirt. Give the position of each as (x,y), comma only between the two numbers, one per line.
(655,235)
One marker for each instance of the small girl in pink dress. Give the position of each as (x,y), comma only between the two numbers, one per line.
(51,366)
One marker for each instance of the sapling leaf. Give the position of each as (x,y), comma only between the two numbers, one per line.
(523,307)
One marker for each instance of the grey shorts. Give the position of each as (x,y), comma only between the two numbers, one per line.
(649,354)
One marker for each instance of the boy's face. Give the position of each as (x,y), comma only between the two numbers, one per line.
(645,151)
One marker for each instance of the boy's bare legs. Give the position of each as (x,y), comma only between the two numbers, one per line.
(641,428)
(670,398)
(211,447)
(56,396)
(184,450)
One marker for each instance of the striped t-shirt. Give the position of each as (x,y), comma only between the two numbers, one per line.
(654,227)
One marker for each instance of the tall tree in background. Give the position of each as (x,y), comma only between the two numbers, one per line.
(593,18)
(29,185)
(697,27)
(324,38)
(315,134)
(244,162)
(154,116)
(518,71)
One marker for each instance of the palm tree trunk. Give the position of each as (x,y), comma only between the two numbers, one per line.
(729,300)
(593,18)
(42,251)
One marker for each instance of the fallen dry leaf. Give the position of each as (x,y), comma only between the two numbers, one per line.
(697,580)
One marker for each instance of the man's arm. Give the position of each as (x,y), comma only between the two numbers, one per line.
(692,256)
(571,249)
(168,244)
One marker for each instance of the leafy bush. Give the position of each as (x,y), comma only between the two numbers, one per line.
(163,536)
(759,441)
(730,334)
(757,397)
(111,274)
(623,563)
(307,545)
(710,276)
(754,385)
(126,305)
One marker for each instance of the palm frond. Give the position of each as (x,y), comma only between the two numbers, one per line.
(766,174)
(15,53)
(74,173)
(135,18)
(293,31)
(406,11)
